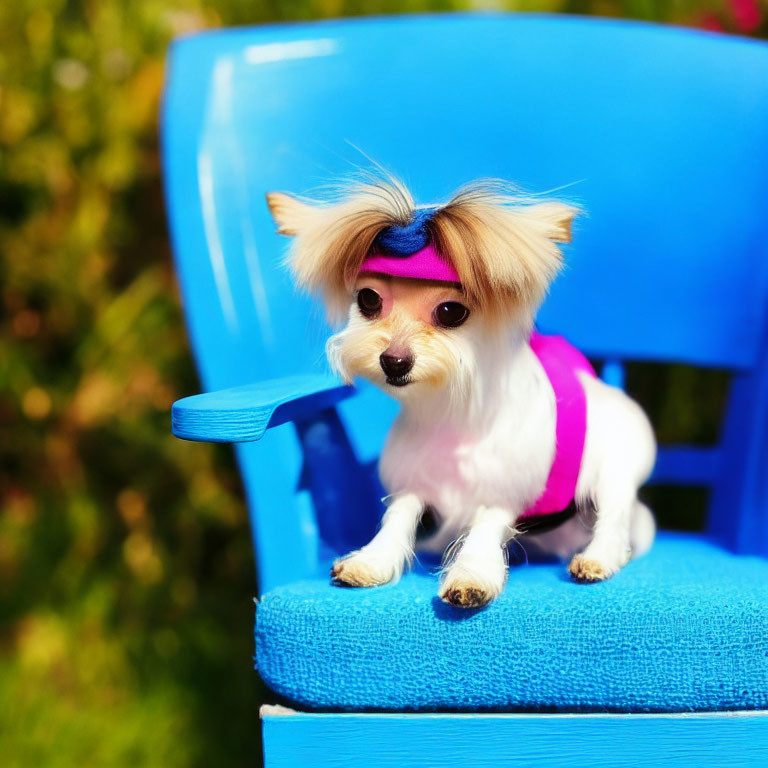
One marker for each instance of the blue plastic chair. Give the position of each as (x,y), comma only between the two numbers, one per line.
(666,132)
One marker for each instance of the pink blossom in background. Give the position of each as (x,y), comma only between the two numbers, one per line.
(746,14)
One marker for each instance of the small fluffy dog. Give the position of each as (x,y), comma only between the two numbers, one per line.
(502,432)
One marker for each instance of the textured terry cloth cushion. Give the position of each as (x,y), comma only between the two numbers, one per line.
(683,628)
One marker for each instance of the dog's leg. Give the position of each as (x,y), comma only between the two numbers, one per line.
(619,453)
(611,545)
(479,571)
(383,559)
(642,529)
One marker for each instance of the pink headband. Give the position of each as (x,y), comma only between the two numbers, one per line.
(424,264)
(407,250)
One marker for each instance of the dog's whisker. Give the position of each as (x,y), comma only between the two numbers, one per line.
(514,541)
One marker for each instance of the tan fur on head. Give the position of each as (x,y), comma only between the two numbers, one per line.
(332,239)
(289,213)
(503,247)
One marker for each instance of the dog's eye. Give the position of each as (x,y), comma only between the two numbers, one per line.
(451,314)
(369,302)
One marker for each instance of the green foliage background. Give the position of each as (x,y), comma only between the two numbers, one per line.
(126,571)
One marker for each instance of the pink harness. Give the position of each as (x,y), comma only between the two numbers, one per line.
(561,362)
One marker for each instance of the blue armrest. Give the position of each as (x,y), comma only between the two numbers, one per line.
(243,414)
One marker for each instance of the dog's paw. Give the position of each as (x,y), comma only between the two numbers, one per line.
(361,570)
(588,569)
(466,587)
(472,580)
(598,563)
(465,595)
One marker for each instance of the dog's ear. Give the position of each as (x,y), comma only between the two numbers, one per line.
(290,214)
(333,236)
(553,218)
(504,247)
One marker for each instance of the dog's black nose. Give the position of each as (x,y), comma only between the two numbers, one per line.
(394,367)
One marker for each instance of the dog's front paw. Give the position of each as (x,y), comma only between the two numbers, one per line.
(475,583)
(360,569)
(465,595)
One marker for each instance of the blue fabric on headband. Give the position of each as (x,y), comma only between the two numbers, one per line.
(405,239)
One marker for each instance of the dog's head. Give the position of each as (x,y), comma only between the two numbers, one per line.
(424,290)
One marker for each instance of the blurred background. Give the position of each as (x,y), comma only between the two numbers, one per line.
(126,571)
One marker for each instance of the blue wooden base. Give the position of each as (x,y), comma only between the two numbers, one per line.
(700,740)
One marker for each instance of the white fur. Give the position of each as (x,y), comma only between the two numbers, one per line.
(482,461)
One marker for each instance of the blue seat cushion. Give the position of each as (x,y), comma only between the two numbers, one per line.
(684,628)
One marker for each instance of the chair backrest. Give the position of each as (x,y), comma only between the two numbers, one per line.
(660,133)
